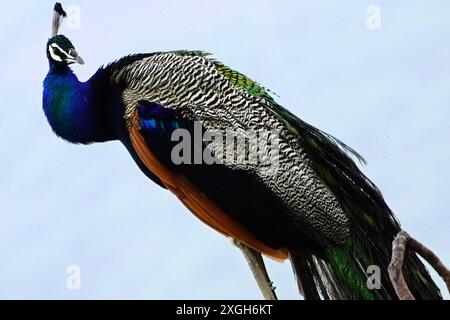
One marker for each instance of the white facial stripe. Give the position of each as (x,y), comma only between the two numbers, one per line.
(54,45)
(53,54)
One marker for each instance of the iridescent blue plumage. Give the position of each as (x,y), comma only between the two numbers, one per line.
(156,118)
(74,109)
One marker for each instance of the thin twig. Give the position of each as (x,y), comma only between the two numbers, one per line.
(432,259)
(258,268)
(399,245)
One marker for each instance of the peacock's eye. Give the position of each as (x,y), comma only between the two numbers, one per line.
(57,51)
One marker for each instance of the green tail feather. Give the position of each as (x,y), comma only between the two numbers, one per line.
(353,280)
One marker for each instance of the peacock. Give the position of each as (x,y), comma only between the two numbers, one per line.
(304,199)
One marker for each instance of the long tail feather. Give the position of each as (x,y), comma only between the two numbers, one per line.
(305,277)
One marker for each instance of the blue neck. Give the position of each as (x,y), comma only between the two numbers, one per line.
(76,110)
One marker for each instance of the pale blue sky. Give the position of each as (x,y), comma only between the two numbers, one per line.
(384,92)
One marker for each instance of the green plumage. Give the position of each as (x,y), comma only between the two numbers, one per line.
(243,82)
(348,273)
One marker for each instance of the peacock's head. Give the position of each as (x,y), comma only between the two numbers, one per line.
(60,50)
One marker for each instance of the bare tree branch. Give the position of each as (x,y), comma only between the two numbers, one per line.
(432,259)
(258,268)
(396,265)
(399,245)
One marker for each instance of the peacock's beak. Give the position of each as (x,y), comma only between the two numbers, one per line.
(74,57)
(78,58)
